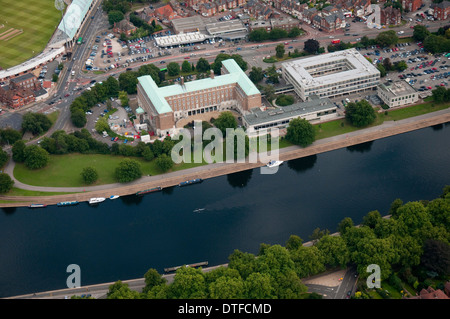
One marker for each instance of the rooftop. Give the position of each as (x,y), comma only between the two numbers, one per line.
(398,88)
(158,95)
(181,38)
(315,104)
(356,66)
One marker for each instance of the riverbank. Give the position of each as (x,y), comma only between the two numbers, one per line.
(388,128)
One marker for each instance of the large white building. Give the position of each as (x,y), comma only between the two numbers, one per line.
(330,75)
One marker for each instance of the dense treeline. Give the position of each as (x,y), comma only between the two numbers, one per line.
(410,246)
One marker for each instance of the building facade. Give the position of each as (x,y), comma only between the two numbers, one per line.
(164,106)
(397,94)
(331,75)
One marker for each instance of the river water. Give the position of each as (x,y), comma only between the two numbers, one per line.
(122,239)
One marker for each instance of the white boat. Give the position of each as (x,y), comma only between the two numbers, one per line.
(114,197)
(198,210)
(274,164)
(96,200)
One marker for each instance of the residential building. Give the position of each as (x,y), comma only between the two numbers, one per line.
(124,26)
(411,5)
(398,93)
(390,16)
(330,75)
(431,293)
(441,10)
(164,106)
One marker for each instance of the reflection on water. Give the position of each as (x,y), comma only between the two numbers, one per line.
(361,148)
(239,179)
(303,164)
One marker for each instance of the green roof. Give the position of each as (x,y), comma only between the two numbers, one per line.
(158,94)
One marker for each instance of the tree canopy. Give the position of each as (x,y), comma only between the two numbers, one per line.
(300,132)
(360,113)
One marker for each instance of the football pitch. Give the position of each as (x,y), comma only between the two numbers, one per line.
(26,26)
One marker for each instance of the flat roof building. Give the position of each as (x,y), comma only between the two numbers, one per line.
(330,75)
(182,38)
(189,24)
(398,93)
(315,109)
(164,106)
(229,30)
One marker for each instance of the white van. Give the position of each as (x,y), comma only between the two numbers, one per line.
(73,73)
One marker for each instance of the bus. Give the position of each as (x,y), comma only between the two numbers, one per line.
(80,40)
(163,69)
(337,41)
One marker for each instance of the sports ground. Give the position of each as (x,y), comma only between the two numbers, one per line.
(26,26)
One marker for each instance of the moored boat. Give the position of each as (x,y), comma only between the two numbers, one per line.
(150,190)
(67,203)
(190,182)
(96,200)
(274,163)
(114,197)
(37,206)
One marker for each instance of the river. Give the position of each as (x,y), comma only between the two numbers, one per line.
(122,239)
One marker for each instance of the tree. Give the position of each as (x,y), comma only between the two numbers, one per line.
(311,46)
(258,35)
(420,32)
(308,261)
(128,82)
(164,162)
(387,38)
(186,67)
(152,279)
(294,32)
(112,86)
(436,256)
(344,225)
(18,151)
(78,118)
(203,65)
(3,157)
(258,286)
(226,288)
(128,170)
(300,132)
(36,123)
(6,183)
(152,70)
(123,97)
(400,66)
(10,136)
(387,64)
(173,69)
(334,251)
(284,100)
(188,283)
(89,175)
(360,113)
(382,70)
(119,290)
(294,242)
(256,74)
(225,120)
(115,16)
(35,157)
(279,50)
(439,94)
(147,154)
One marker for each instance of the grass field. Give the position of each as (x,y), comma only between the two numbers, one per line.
(37,19)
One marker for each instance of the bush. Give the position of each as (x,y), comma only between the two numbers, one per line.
(35,157)
(6,183)
(128,170)
(284,100)
(89,175)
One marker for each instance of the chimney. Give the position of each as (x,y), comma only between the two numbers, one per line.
(182,80)
(211,74)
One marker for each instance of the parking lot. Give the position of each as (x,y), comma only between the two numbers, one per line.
(425,72)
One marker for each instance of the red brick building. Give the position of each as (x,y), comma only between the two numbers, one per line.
(124,26)
(390,16)
(21,91)
(441,10)
(411,5)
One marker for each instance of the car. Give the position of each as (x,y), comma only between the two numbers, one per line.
(116,139)
(186,58)
(125,141)
(67,95)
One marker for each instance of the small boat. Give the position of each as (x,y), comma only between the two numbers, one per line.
(37,206)
(96,200)
(150,190)
(274,164)
(190,182)
(198,210)
(68,203)
(114,197)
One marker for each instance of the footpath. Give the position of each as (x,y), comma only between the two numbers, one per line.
(388,128)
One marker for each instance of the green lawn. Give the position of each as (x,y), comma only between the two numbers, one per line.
(64,170)
(37,19)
